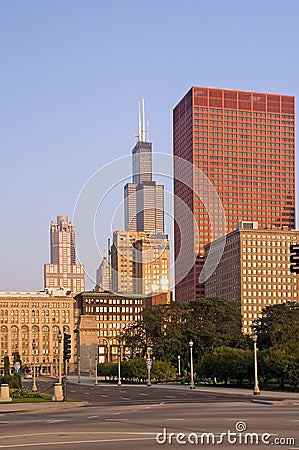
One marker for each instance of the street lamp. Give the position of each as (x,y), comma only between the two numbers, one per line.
(149,366)
(118,360)
(96,370)
(192,385)
(59,337)
(79,369)
(34,387)
(179,365)
(256,390)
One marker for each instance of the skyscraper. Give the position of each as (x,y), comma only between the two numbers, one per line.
(103,275)
(244,143)
(140,255)
(144,199)
(63,272)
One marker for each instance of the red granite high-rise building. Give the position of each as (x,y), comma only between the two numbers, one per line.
(244,142)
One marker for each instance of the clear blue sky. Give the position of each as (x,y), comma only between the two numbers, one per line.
(72,73)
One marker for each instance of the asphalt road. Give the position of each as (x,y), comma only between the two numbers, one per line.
(150,426)
(111,394)
(135,417)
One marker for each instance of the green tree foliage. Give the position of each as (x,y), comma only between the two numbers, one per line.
(226,363)
(279,325)
(210,323)
(6,366)
(278,342)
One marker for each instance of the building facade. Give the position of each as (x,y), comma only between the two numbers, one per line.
(27,317)
(254,269)
(63,271)
(140,263)
(103,316)
(244,142)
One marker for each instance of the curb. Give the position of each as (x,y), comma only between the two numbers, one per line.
(45,406)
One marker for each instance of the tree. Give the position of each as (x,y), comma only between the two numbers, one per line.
(6,366)
(226,363)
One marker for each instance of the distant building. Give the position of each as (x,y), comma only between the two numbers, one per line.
(103,316)
(63,272)
(244,142)
(140,255)
(144,199)
(254,269)
(140,263)
(103,275)
(36,316)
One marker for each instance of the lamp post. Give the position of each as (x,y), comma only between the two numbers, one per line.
(149,366)
(59,337)
(256,390)
(192,385)
(179,365)
(90,370)
(118,361)
(79,369)
(96,370)
(34,387)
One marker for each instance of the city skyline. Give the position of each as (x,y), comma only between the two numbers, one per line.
(70,86)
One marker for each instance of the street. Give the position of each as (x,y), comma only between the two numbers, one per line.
(131,417)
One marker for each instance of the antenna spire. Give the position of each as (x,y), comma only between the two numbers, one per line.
(143,138)
(139,123)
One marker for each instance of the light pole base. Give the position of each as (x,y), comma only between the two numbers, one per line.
(256,391)
(148,384)
(58,393)
(192,386)
(34,389)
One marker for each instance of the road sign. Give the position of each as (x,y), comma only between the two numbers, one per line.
(149,363)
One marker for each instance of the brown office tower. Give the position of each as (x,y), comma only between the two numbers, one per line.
(244,143)
(63,272)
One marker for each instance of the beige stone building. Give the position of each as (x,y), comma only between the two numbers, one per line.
(36,317)
(103,316)
(140,263)
(254,269)
(63,272)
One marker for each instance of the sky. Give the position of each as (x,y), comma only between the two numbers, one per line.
(71,75)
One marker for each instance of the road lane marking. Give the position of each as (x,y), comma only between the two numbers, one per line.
(169,396)
(175,419)
(142,394)
(93,441)
(115,420)
(117,413)
(102,395)
(56,421)
(125,398)
(87,393)
(92,417)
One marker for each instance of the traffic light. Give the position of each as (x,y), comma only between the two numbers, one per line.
(294,258)
(67,346)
